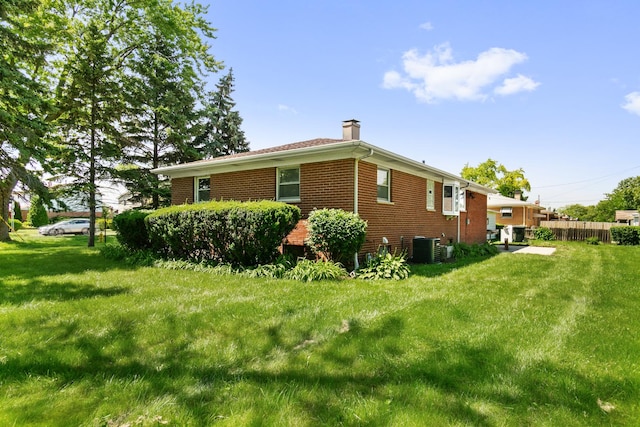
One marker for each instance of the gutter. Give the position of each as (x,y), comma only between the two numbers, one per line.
(355,194)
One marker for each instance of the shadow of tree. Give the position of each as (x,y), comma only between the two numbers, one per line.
(439,269)
(459,371)
(37,290)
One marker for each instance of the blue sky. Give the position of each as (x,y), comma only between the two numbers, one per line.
(550,87)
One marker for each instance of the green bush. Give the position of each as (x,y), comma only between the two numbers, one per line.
(626,235)
(132,230)
(17,211)
(309,271)
(465,250)
(385,266)
(593,241)
(100,223)
(237,233)
(17,224)
(37,215)
(336,233)
(543,233)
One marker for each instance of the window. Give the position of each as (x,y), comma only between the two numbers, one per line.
(202,191)
(463,200)
(431,195)
(288,184)
(384,186)
(451,198)
(506,212)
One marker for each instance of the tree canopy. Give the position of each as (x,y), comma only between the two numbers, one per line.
(626,196)
(87,85)
(495,175)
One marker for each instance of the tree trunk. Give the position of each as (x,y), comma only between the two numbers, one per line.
(6,188)
(155,197)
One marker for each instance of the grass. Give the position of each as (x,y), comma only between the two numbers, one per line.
(509,340)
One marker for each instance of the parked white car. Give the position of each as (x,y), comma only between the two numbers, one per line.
(71,226)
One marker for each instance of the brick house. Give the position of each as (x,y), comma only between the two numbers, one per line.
(398,197)
(514,211)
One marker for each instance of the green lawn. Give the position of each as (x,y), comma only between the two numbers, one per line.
(511,340)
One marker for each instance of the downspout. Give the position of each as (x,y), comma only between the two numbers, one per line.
(355,193)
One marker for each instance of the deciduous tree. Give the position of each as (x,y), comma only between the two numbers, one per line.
(495,175)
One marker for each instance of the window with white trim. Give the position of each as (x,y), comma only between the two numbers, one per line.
(288,185)
(451,198)
(506,212)
(431,195)
(384,185)
(463,200)
(202,189)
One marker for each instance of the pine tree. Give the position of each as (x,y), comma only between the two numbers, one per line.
(23,104)
(37,215)
(162,90)
(222,134)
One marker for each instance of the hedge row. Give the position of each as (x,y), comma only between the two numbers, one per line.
(626,235)
(132,230)
(238,233)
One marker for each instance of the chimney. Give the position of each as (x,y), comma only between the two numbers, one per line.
(350,130)
(517,195)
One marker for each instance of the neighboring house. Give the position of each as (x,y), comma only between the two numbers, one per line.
(513,211)
(398,197)
(629,217)
(126,202)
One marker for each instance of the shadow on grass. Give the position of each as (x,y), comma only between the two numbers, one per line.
(50,256)
(465,376)
(37,290)
(439,269)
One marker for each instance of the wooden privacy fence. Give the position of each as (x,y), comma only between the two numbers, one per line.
(580,230)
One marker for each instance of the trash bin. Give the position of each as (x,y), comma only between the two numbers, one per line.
(424,249)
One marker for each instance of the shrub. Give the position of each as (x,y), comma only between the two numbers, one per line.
(237,233)
(385,266)
(593,241)
(100,222)
(308,271)
(17,211)
(626,235)
(133,257)
(37,215)
(543,233)
(464,250)
(132,230)
(336,233)
(17,224)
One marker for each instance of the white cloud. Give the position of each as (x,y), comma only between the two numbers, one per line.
(516,84)
(633,103)
(282,107)
(435,75)
(427,26)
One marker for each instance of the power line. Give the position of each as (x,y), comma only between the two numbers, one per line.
(588,180)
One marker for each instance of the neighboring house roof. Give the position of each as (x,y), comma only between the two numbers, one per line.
(315,150)
(627,215)
(498,200)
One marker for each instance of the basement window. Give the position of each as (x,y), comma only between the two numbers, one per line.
(288,186)
(451,198)
(202,191)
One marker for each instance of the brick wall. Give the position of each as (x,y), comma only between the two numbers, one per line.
(330,185)
(326,185)
(258,184)
(406,216)
(181,190)
(520,216)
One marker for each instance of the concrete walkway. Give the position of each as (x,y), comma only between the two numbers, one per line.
(537,250)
